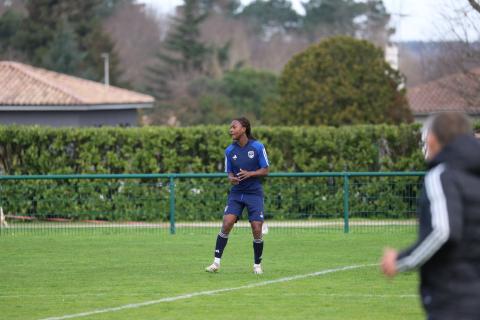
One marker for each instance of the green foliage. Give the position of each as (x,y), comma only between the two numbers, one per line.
(364,19)
(271,14)
(182,53)
(244,91)
(227,7)
(216,101)
(39,150)
(63,55)
(340,81)
(66,36)
(184,39)
(10,23)
(375,27)
(29,150)
(249,91)
(339,16)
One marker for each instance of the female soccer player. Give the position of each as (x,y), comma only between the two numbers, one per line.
(245,161)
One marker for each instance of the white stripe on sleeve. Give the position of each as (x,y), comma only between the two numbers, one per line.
(440,224)
(265,156)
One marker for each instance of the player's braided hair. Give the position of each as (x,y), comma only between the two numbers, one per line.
(248,128)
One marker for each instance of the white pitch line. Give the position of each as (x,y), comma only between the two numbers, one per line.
(206,293)
(72,295)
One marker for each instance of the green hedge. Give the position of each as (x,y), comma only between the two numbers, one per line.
(38,150)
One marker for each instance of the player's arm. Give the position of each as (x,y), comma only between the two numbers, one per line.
(243,174)
(229,170)
(442,222)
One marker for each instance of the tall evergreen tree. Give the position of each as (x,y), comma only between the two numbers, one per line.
(10,23)
(331,16)
(63,54)
(70,31)
(366,19)
(271,14)
(375,27)
(183,52)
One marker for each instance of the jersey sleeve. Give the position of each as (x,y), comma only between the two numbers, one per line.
(443,220)
(262,155)
(228,162)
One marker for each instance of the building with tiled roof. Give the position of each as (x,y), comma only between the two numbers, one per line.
(30,95)
(456,92)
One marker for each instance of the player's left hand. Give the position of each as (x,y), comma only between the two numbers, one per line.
(243,174)
(389,262)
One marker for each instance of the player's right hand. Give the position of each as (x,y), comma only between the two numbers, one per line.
(234,180)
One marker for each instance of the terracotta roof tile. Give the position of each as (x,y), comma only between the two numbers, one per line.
(22,84)
(456,92)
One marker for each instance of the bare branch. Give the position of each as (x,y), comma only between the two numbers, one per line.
(475,5)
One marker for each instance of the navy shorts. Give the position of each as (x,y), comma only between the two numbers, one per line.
(237,202)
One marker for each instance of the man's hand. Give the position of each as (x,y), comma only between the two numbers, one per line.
(389,262)
(233,180)
(243,174)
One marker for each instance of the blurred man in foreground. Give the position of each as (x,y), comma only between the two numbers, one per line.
(448,246)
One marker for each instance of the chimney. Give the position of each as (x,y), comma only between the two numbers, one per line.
(106,77)
(391,55)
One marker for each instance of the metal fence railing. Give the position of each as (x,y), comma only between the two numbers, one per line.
(313,200)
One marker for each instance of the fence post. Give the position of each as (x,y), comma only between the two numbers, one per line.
(346,198)
(172,205)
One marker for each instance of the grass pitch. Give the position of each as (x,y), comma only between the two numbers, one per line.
(58,274)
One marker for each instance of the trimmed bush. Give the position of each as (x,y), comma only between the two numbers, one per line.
(39,150)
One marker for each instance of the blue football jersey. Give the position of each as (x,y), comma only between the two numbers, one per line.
(251,157)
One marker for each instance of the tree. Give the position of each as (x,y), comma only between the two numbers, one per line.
(51,26)
(137,32)
(216,101)
(184,61)
(186,51)
(271,16)
(183,52)
(226,7)
(374,27)
(274,31)
(331,17)
(365,19)
(249,91)
(458,60)
(340,81)
(10,23)
(63,54)
(475,5)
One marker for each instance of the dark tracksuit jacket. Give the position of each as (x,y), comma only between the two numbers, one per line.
(448,247)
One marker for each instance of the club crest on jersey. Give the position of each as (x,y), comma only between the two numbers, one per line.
(234,157)
(251,154)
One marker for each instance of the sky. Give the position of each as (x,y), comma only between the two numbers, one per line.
(413,19)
